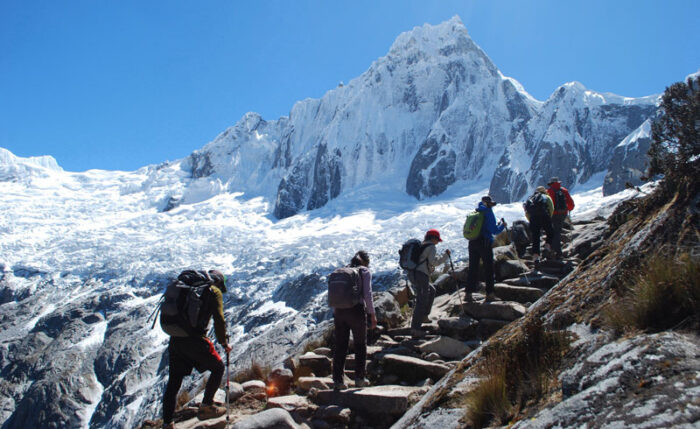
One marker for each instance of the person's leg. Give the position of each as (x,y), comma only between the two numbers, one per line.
(170,396)
(431,299)
(473,273)
(422,299)
(359,335)
(487,257)
(557,225)
(549,231)
(210,360)
(342,336)
(535,230)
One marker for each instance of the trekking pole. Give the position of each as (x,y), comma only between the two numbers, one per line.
(228,406)
(459,295)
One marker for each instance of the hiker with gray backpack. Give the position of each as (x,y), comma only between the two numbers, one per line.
(350,297)
(419,259)
(479,228)
(185,311)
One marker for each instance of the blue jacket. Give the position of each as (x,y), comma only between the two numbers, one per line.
(490,227)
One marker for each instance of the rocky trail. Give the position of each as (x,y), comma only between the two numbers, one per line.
(401,368)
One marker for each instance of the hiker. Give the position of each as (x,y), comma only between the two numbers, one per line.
(481,249)
(420,278)
(563,204)
(538,210)
(197,351)
(353,318)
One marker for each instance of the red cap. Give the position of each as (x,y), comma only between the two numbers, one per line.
(433,233)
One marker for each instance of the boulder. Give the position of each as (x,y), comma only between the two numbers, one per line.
(488,327)
(289,402)
(387,309)
(502,253)
(402,294)
(277,418)
(334,414)
(459,327)
(446,347)
(411,369)
(521,294)
(555,268)
(432,357)
(323,351)
(509,268)
(280,381)
(541,281)
(307,383)
(392,400)
(320,365)
(500,310)
(219,397)
(254,385)
(445,284)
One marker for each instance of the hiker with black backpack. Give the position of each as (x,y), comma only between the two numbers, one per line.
(479,229)
(350,297)
(563,204)
(188,305)
(424,259)
(538,210)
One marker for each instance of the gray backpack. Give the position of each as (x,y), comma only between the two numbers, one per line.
(344,288)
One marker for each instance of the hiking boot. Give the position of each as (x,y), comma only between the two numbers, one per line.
(207,412)
(339,385)
(361,382)
(491,297)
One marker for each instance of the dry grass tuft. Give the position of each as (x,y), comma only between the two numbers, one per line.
(254,372)
(664,294)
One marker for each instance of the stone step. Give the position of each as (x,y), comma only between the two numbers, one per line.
(320,365)
(521,294)
(305,384)
(290,402)
(459,327)
(411,369)
(446,347)
(391,399)
(533,279)
(500,310)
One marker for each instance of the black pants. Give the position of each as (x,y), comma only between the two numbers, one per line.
(480,250)
(557,226)
(425,295)
(346,320)
(537,224)
(185,354)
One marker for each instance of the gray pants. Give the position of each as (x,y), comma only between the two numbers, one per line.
(557,225)
(425,295)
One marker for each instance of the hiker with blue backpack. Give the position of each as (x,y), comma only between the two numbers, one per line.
(186,309)
(350,297)
(480,228)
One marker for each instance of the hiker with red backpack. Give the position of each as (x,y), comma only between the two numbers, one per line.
(425,264)
(563,204)
(538,210)
(482,226)
(350,297)
(186,309)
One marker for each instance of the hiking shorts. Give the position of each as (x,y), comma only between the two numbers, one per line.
(187,353)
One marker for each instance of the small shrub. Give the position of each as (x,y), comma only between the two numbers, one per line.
(489,400)
(665,294)
(526,365)
(254,372)
(182,399)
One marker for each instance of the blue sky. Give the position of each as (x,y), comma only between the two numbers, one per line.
(123,84)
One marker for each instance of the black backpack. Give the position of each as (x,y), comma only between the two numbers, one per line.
(344,288)
(409,254)
(536,205)
(182,303)
(560,201)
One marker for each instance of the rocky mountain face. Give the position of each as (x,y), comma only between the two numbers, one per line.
(433,113)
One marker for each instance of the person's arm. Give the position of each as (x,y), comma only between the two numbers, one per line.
(218,316)
(569,200)
(366,277)
(491,225)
